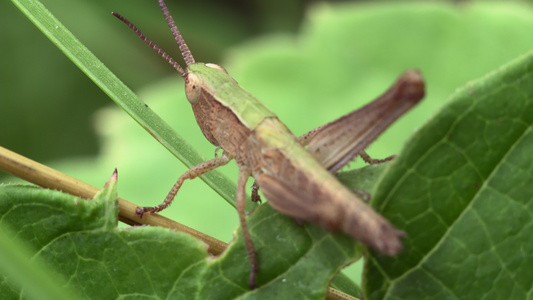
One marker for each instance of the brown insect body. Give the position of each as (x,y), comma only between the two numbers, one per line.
(293,181)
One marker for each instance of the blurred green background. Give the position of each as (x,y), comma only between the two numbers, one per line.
(309,61)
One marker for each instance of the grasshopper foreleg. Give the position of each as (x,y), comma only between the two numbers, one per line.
(194,172)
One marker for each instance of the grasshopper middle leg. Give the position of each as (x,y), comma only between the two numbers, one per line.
(244,173)
(373,161)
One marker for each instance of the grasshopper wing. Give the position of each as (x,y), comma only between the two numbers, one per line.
(334,209)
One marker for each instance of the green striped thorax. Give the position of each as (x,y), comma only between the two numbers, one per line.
(217,82)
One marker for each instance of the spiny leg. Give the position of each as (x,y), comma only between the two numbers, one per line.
(244,173)
(196,171)
(373,161)
(364,195)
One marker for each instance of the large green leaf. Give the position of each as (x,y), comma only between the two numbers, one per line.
(462,189)
(79,239)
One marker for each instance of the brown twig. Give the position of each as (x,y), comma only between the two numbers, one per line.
(46,177)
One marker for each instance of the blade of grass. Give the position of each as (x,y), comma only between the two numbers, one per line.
(121,94)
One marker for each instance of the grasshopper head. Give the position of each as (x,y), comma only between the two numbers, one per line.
(198,77)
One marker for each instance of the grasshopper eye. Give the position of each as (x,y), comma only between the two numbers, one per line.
(215,66)
(193,88)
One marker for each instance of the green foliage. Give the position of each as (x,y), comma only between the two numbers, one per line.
(459,188)
(462,191)
(79,239)
(16,264)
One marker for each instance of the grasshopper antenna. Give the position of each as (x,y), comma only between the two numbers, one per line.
(152,45)
(185,52)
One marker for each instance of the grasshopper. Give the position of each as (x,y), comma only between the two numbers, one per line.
(296,181)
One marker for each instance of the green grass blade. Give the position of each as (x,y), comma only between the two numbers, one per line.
(121,94)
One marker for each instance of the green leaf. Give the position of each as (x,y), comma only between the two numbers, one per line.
(79,239)
(41,218)
(17,270)
(364,179)
(462,191)
(295,262)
